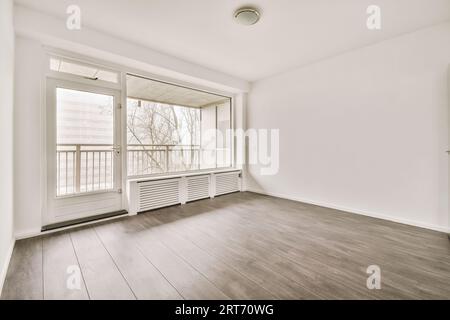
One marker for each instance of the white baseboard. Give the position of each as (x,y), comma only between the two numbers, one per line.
(4,267)
(355,211)
(27,234)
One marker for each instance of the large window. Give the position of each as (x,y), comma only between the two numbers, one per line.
(176,129)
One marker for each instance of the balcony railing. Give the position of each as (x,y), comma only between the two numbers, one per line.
(151,159)
(89,167)
(83,168)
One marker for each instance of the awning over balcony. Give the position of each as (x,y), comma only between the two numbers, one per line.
(157,91)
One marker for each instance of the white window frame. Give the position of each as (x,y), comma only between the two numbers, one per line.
(183,173)
(84,80)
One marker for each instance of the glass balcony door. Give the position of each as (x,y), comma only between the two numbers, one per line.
(83,151)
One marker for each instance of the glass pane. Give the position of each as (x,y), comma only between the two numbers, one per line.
(85,137)
(162,138)
(174,129)
(77,69)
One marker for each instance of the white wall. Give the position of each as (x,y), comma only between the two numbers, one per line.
(28,186)
(365,131)
(6,134)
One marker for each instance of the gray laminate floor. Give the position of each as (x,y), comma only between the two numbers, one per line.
(239,246)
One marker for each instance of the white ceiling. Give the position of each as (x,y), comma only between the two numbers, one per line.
(291,33)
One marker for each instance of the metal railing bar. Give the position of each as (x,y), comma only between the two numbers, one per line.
(86,173)
(58,175)
(93,172)
(73,171)
(99,169)
(106,159)
(66,171)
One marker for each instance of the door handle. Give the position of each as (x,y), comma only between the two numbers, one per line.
(116,149)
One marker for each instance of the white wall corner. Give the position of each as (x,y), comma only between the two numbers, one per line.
(7,58)
(448,149)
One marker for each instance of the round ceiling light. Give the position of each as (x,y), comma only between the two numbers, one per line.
(247,16)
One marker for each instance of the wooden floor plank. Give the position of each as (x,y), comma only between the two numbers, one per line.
(190,283)
(145,280)
(261,271)
(61,263)
(224,276)
(103,279)
(351,249)
(314,274)
(24,277)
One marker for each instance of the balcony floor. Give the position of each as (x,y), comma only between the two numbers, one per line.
(239,246)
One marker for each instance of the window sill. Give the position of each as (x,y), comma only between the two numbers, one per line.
(182,174)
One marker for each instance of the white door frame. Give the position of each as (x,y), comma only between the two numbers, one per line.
(66,208)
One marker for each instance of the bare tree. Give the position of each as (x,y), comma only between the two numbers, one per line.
(156,128)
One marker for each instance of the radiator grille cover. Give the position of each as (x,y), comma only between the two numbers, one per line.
(227,183)
(198,187)
(158,194)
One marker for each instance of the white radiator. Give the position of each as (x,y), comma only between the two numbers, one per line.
(145,195)
(198,187)
(158,194)
(227,183)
